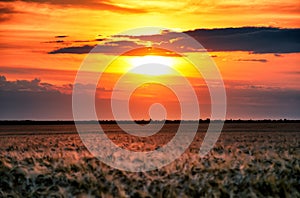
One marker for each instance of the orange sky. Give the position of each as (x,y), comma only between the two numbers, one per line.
(30,31)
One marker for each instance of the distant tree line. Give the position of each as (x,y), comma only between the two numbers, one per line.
(71,122)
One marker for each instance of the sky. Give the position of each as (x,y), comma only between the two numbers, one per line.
(254,44)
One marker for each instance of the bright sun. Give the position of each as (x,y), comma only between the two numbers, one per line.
(153,65)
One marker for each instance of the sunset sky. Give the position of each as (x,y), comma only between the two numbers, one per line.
(255,44)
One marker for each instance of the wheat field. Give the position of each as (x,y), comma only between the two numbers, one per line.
(247,161)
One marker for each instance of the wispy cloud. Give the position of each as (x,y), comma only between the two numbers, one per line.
(6,12)
(254,60)
(93,4)
(111,47)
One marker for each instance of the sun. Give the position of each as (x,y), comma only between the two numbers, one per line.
(152,65)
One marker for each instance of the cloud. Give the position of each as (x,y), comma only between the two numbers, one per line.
(93,4)
(73,50)
(35,105)
(23,99)
(254,60)
(90,87)
(21,71)
(293,73)
(69,42)
(61,36)
(278,55)
(56,41)
(34,85)
(112,47)
(259,102)
(251,39)
(6,12)
(34,99)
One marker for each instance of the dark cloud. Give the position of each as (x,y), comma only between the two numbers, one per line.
(73,50)
(4,18)
(278,55)
(23,99)
(254,60)
(20,105)
(81,41)
(259,102)
(34,99)
(61,36)
(56,41)
(34,85)
(251,39)
(167,40)
(113,47)
(69,42)
(100,39)
(6,12)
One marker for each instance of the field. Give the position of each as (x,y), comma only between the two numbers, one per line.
(249,160)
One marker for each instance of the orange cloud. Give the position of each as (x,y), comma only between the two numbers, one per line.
(93,4)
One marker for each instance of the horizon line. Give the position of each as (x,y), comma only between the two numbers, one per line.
(45,122)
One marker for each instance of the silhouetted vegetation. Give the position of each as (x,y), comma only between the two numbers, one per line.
(72,122)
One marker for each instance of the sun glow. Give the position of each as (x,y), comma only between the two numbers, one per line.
(152,65)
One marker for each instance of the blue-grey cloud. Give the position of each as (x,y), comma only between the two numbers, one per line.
(34,99)
(259,102)
(253,39)
(25,85)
